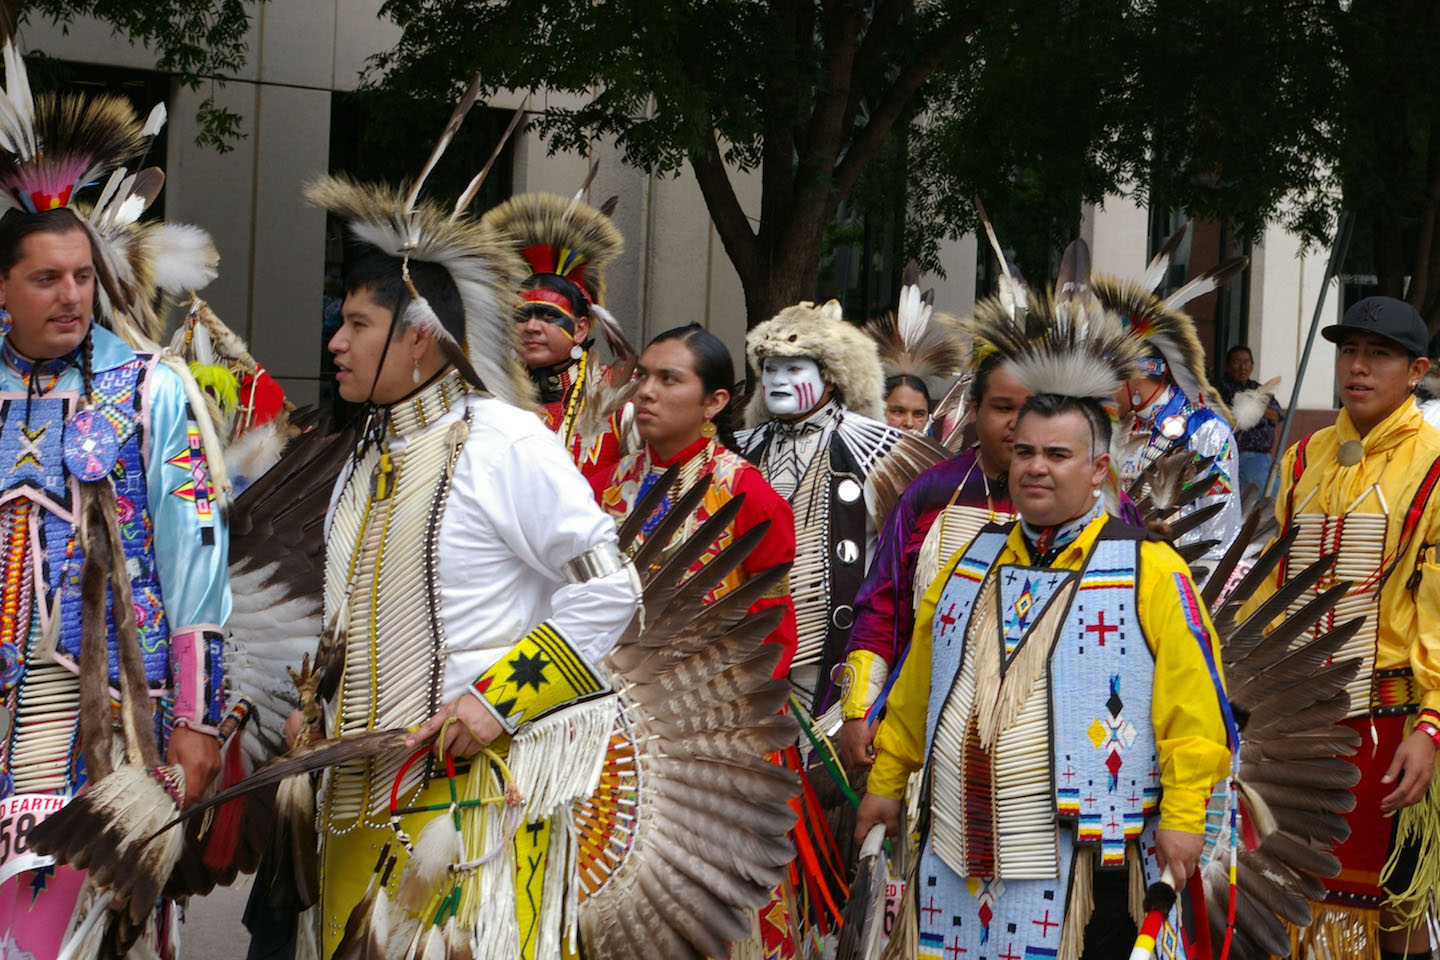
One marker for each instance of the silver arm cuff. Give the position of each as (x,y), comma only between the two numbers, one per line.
(600,560)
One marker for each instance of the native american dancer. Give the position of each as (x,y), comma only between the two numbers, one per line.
(1361,493)
(1169,403)
(814,436)
(449,597)
(682,415)
(939,512)
(1067,764)
(677,367)
(568,244)
(108,472)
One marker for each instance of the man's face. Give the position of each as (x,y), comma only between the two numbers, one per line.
(671,404)
(793,386)
(545,335)
(1375,376)
(995,420)
(1052,476)
(1240,366)
(358,346)
(50,293)
(906,408)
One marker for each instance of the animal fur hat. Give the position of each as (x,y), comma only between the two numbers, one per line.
(849,360)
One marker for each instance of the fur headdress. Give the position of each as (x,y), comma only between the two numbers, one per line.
(849,360)
(482,265)
(559,235)
(1161,324)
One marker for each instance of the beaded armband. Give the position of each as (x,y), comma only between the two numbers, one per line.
(861,678)
(541,674)
(197,676)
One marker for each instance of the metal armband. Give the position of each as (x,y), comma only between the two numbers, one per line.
(599,561)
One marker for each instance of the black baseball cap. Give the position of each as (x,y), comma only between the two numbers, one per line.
(1386,317)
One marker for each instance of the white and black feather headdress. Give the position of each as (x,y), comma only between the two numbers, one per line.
(1066,342)
(483,266)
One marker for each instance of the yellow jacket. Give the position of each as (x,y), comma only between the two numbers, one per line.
(1189,731)
(1398,453)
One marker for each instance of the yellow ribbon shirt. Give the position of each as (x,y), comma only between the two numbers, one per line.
(1398,454)
(1189,730)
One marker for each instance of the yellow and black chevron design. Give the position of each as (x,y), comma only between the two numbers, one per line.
(539,675)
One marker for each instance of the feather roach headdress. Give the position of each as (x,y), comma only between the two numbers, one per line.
(481,264)
(1067,342)
(1161,324)
(917,341)
(566,237)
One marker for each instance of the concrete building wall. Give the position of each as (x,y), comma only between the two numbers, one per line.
(674,269)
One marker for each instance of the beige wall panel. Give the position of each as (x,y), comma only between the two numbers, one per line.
(1119,236)
(216,191)
(297,42)
(955,293)
(359,34)
(292,146)
(94,41)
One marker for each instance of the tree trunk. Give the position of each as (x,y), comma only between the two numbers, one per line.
(1389,251)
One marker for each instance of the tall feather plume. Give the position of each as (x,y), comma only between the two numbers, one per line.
(1159,267)
(917,341)
(473,187)
(1011,291)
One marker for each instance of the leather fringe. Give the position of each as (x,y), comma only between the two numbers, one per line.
(1081,904)
(1418,823)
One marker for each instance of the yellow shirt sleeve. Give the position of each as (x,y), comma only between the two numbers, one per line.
(900,739)
(1425,651)
(1184,706)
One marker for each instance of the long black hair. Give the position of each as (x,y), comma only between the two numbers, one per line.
(716,370)
(382,276)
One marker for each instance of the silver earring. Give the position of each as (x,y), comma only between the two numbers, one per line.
(576,352)
(1136,399)
(415,372)
(1097,493)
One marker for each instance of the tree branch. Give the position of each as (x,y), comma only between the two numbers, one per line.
(892,106)
(730,220)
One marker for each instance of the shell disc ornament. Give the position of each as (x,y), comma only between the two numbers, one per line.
(92,447)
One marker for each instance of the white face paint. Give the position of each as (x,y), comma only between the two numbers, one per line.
(792,385)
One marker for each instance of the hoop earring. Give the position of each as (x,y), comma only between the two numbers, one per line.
(708,429)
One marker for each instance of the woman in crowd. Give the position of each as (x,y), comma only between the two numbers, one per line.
(682,411)
(907,402)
